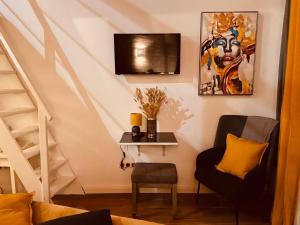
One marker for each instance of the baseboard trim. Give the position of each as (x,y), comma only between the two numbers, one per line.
(203,196)
(95,189)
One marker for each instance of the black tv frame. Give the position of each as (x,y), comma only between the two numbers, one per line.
(177,70)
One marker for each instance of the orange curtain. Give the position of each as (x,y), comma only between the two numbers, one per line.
(287,184)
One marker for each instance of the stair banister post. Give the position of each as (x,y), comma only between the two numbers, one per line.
(43,143)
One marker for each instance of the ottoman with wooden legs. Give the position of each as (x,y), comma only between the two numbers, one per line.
(154,175)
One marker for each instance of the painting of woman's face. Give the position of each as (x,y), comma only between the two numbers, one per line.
(228,49)
(227,53)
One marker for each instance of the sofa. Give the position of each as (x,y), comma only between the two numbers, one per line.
(42,212)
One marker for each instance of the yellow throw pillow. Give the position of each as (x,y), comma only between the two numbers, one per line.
(241,156)
(15,209)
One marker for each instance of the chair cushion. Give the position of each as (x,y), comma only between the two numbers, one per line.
(16,209)
(241,156)
(231,186)
(154,173)
(222,183)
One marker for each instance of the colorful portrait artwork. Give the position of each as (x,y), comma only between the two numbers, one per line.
(227,53)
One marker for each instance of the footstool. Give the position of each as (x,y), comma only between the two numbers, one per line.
(154,175)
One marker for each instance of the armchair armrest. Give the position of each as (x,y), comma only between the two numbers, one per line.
(208,158)
(44,211)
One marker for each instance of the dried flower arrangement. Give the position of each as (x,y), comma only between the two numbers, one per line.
(150,101)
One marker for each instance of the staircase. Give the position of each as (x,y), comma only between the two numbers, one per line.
(27,147)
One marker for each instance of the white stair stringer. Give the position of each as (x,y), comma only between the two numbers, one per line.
(24,135)
(20,164)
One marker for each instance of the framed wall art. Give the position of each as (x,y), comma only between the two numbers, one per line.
(227,53)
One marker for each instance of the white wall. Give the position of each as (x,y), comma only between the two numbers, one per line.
(67,48)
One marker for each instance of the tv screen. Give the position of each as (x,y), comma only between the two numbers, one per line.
(147,53)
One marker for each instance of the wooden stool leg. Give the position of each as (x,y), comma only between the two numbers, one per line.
(174,200)
(134,199)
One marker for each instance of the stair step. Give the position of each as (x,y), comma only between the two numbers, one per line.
(15,111)
(31,152)
(4,72)
(35,150)
(53,165)
(28,153)
(59,183)
(24,131)
(12,91)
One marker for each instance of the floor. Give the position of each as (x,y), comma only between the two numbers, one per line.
(211,209)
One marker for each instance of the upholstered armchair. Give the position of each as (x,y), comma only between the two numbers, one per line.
(258,180)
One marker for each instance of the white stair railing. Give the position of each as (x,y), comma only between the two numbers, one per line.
(24,78)
(11,148)
(43,139)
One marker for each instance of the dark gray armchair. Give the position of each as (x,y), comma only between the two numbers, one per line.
(236,190)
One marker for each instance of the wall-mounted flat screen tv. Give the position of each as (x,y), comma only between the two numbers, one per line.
(147,53)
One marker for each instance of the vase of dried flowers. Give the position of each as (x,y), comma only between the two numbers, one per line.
(150,101)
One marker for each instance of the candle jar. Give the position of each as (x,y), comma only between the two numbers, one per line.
(151,127)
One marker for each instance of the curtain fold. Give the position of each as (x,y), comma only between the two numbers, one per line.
(297,218)
(287,184)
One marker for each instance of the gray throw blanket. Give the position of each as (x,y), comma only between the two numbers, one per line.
(258,128)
